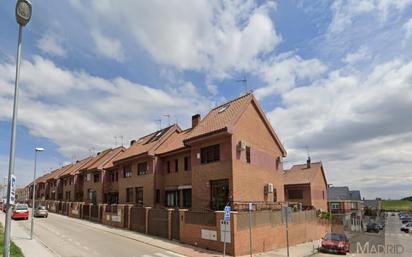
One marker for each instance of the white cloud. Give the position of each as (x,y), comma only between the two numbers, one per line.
(358,124)
(191,35)
(52,43)
(408,29)
(108,47)
(78,111)
(282,73)
(344,12)
(362,54)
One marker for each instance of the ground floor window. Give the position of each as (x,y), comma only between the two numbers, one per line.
(219,190)
(295,194)
(129,195)
(67,196)
(139,195)
(187,198)
(172,198)
(112,198)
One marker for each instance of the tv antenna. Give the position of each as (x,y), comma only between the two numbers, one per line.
(160,123)
(244,82)
(168,118)
(307,151)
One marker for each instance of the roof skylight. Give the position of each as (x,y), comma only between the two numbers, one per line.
(223,108)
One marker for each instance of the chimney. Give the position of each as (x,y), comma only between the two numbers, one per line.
(132,142)
(195,120)
(308,162)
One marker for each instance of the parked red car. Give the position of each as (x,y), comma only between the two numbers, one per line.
(335,243)
(20,211)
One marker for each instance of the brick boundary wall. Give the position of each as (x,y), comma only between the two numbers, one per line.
(202,229)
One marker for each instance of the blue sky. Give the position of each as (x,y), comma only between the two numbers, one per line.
(335,76)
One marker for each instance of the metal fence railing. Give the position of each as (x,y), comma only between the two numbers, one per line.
(200,218)
(138,219)
(158,222)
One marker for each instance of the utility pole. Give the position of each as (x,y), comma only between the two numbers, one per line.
(23,15)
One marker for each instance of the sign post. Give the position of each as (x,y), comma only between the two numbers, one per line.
(250,207)
(226,219)
(285,211)
(13,190)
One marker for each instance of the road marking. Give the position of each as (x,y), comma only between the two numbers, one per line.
(175,254)
(85,248)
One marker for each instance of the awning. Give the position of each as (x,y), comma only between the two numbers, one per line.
(184,187)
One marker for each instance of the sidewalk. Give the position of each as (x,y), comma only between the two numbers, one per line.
(172,246)
(300,250)
(21,237)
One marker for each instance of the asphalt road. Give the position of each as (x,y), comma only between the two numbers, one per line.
(68,238)
(391,237)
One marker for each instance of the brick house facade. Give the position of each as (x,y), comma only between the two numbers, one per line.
(203,167)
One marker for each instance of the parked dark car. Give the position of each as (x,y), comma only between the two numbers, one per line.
(405,220)
(335,243)
(372,227)
(381,226)
(405,228)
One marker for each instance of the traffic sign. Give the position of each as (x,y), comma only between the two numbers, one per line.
(227,213)
(13,190)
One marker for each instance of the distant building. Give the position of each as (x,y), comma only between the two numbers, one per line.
(306,184)
(22,194)
(346,205)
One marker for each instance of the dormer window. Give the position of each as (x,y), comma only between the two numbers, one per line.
(223,108)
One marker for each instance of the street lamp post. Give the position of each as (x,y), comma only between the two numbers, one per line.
(23,15)
(34,190)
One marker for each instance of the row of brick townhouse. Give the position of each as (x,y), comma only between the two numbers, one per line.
(231,156)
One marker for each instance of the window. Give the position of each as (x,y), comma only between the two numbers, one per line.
(210,154)
(168,166)
(187,163)
(323,195)
(129,195)
(157,196)
(248,154)
(219,194)
(142,168)
(176,165)
(127,171)
(172,198)
(353,206)
(275,195)
(96,177)
(295,194)
(223,108)
(67,195)
(187,198)
(117,176)
(335,206)
(88,177)
(139,195)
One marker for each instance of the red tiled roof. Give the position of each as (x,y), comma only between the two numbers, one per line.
(94,162)
(301,174)
(76,167)
(109,164)
(221,117)
(146,144)
(174,142)
(107,157)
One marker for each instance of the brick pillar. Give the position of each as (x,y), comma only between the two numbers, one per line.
(129,222)
(147,219)
(182,220)
(169,223)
